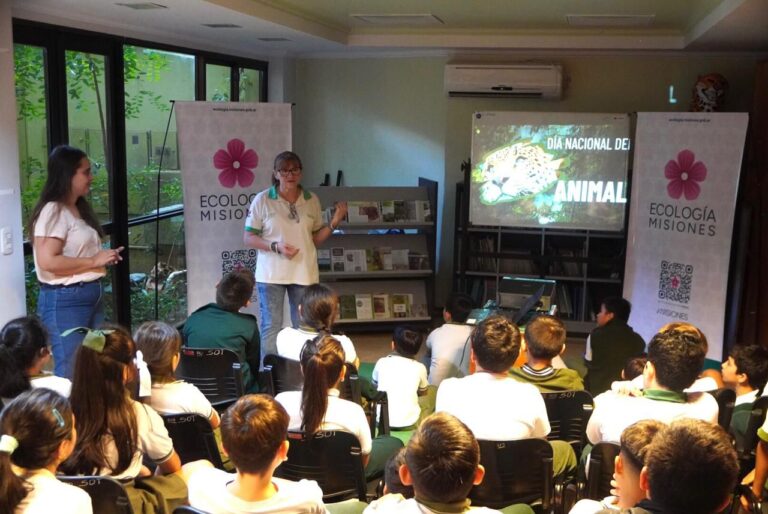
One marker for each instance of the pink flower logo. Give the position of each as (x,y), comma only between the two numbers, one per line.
(684,174)
(235,164)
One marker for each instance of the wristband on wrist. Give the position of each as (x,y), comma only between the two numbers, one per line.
(273,247)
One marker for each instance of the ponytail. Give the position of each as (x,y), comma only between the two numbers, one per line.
(21,342)
(33,427)
(319,307)
(322,360)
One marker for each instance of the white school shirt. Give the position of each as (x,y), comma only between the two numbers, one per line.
(398,504)
(614,412)
(208,492)
(80,240)
(341,415)
(402,378)
(593,506)
(154,442)
(699,385)
(268,217)
(61,385)
(51,495)
(179,397)
(448,352)
(291,340)
(495,408)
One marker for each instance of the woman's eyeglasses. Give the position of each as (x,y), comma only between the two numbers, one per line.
(289,171)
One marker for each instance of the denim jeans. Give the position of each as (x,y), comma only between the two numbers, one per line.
(271,299)
(62,308)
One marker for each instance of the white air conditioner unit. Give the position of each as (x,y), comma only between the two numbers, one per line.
(505,80)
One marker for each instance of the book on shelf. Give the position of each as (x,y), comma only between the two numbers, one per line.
(388,211)
(417,261)
(400,259)
(338,261)
(381,306)
(379,258)
(364,306)
(418,211)
(401,210)
(400,305)
(354,260)
(364,212)
(347,306)
(324,259)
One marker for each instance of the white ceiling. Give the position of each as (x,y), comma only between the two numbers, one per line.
(326,27)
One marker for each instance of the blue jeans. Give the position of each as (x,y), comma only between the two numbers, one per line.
(62,308)
(271,298)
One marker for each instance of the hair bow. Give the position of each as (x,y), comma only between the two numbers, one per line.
(94,339)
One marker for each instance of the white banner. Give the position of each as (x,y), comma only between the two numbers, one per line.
(684,186)
(227,151)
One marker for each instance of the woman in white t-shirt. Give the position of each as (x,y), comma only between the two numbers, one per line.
(318,310)
(69,259)
(285,224)
(37,433)
(23,354)
(115,432)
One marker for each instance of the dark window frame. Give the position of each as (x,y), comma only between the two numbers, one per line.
(56,40)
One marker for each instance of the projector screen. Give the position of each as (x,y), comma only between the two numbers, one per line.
(555,170)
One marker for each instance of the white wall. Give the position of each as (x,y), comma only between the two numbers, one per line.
(12,293)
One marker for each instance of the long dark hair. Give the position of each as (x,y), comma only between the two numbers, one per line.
(322,360)
(318,307)
(102,406)
(62,165)
(39,420)
(21,342)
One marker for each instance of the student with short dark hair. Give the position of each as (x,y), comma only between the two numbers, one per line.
(442,464)
(392,482)
(746,372)
(545,340)
(495,406)
(403,378)
(254,433)
(36,435)
(447,348)
(221,325)
(675,359)
(633,368)
(610,345)
(690,467)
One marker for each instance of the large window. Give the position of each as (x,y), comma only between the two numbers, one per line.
(112,98)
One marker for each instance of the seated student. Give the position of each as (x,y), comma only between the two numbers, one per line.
(442,464)
(38,433)
(24,351)
(254,431)
(495,406)
(221,325)
(708,380)
(392,482)
(115,432)
(545,340)
(318,311)
(690,467)
(746,372)
(403,378)
(610,345)
(318,406)
(447,352)
(160,344)
(674,360)
(633,368)
(626,477)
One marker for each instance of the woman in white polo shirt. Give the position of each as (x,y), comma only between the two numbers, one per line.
(285,224)
(69,259)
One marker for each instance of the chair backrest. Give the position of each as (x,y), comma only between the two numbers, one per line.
(569,413)
(726,399)
(108,496)
(285,373)
(193,438)
(515,472)
(215,371)
(746,443)
(350,388)
(601,465)
(332,458)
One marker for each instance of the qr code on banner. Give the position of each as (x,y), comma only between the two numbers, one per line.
(675,282)
(233,260)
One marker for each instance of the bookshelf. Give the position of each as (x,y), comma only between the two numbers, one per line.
(587,265)
(381,259)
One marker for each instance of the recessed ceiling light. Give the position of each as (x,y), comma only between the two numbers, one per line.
(398,19)
(142,6)
(222,26)
(273,39)
(610,20)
